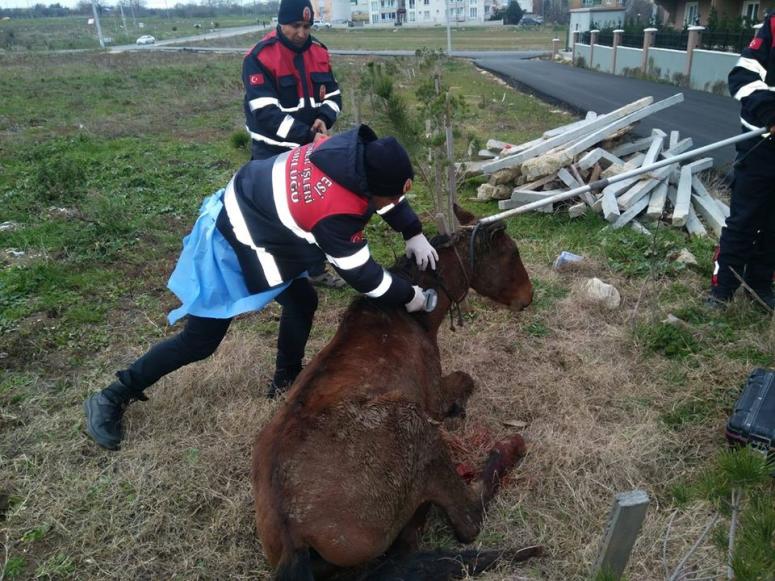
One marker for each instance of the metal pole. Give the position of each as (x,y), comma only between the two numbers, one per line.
(97,22)
(123,18)
(600,184)
(449,32)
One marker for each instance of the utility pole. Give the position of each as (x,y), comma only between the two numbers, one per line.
(449,32)
(134,18)
(97,22)
(123,18)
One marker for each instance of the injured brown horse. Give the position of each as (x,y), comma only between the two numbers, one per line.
(348,467)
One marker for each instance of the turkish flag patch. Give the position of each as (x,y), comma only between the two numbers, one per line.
(756,43)
(357,238)
(257,79)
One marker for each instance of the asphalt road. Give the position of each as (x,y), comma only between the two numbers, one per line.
(704,117)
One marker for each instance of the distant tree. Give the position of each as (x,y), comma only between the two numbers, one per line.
(497,13)
(513,13)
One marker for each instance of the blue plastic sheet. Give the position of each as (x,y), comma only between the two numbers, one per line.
(207,278)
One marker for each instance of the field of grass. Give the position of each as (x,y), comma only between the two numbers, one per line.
(74,32)
(101,175)
(411,38)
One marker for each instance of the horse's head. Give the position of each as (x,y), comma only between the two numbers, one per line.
(495,269)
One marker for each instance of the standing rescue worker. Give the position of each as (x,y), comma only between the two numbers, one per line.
(254,241)
(290,90)
(291,94)
(747,243)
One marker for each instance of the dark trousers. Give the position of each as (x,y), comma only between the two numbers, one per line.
(748,240)
(201,336)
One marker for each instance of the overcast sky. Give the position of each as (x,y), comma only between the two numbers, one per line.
(72,3)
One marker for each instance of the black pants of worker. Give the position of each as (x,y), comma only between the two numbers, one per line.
(748,240)
(201,336)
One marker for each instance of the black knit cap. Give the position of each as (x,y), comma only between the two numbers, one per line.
(387,167)
(295,11)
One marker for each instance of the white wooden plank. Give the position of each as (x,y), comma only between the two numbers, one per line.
(654,149)
(683,197)
(627,148)
(633,163)
(577,210)
(555,131)
(497,145)
(590,158)
(636,208)
(534,185)
(637,192)
(700,165)
(569,135)
(599,135)
(674,138)
(680,147)
(598,155)
(706,208)
(693,224)
(624,524)
(657,200)
(610,207)
(701,190)
(597,207)
(486,154)
(520,198)
(617,188)
(565,177)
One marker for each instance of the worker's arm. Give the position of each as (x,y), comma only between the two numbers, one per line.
(340,237)
(747,80)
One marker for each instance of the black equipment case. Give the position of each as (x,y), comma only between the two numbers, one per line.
(753,421)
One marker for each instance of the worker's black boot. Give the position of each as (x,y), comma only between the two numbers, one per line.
(104,410)
(282,381)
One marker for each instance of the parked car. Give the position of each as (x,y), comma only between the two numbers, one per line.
(531,20)
(318,24)
(145,39)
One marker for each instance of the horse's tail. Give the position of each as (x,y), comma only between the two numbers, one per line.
(295,567)
(441,565)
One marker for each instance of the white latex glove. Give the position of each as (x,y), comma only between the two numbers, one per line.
(425,254)
(418,300)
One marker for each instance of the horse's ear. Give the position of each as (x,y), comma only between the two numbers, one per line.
(465,217)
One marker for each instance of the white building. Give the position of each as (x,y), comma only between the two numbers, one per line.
(422,12)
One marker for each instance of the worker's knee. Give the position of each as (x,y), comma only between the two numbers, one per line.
(300,298)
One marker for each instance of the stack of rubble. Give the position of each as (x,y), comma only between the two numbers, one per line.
(598,147)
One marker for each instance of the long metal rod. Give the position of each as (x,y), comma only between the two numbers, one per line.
(600,184)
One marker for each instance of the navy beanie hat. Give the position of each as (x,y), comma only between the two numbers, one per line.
(387,167)
(295,11)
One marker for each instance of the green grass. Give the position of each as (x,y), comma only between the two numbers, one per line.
(74,32)
(414,38)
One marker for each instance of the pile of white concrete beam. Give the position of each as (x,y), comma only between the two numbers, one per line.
(597,147)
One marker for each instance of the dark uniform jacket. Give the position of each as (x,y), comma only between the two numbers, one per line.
(285,213)
(752,80)
(286,89)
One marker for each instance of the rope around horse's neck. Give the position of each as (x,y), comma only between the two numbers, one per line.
(454,307)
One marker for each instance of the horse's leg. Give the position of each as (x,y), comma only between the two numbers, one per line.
(452,396)
(408,540)
(465,504)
